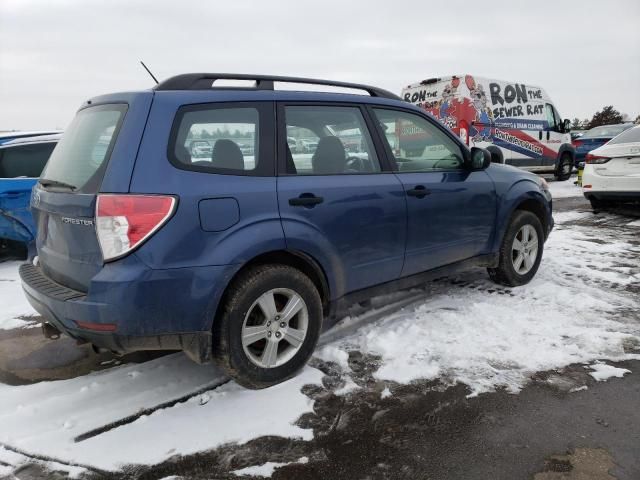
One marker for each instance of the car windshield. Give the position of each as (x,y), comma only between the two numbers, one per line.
(605,131)
(81,156)
(628,136)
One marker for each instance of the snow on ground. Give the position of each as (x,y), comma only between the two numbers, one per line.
(44,418)
(464,329)
(14,308)
(266,469)
(602,371)
(486,336)
(565,189)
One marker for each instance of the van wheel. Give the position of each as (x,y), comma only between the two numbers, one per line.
(496,154)
(269,325)
(521,251)
(565,167)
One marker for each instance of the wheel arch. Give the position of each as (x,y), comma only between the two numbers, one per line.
(298,260)
(522,197)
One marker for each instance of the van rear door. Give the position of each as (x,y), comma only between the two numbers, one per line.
(97,149)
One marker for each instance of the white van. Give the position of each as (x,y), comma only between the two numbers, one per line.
(516,122)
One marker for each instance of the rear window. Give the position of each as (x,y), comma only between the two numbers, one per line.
(25,160)
(628,136)
(605,131)
(82,155)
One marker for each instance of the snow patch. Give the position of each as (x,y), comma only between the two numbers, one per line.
(602,371)
(225,414)
(565,189)
(14,304)
(385,393)
(487,336)
(266,469)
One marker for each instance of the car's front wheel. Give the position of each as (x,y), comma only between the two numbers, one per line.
(521,250)
(269,326)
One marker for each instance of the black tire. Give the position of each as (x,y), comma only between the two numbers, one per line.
(505,273)
(496,154)
(597,204)
(565,168)
(228,350)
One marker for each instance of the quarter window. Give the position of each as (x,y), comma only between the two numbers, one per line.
(416,144)
(326,140)
(219,139)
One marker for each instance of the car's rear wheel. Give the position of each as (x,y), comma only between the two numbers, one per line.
(521,250)
(565,167)
(269,326)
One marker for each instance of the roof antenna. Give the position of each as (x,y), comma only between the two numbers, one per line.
(149,72)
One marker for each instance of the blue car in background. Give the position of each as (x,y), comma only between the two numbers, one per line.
(21,162)
(12,135)
(596,137)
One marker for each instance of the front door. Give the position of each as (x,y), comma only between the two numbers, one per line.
(451,210)
(336,201)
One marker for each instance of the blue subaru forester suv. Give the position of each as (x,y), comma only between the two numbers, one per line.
(235,223)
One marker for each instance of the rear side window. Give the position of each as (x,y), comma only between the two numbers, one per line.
(328,140)
(82,155)
(25,160)
(219,138)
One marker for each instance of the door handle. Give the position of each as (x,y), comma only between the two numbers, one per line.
(419,191)
(548,134)
(308,200)
(539,134)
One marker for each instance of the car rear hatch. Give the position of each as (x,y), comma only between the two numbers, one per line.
(96,154)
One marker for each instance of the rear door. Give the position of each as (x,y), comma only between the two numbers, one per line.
(98,139)
(337,202)
(451,211)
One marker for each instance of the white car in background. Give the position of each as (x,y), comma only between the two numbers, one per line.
(612,171)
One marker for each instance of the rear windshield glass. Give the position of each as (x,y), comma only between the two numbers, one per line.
(80,158)
(605,131)
(628,136)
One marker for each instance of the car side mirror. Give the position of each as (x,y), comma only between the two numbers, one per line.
(566,125)
(479,159)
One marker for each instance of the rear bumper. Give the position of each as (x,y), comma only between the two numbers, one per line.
(613,195)
(145,309)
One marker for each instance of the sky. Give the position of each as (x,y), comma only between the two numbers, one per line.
(54,54)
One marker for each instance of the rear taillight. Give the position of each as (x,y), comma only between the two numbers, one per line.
(124,222)
(591,159)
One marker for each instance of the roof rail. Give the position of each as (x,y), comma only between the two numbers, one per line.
(204,81)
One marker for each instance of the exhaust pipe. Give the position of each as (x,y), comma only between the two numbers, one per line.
(50,331)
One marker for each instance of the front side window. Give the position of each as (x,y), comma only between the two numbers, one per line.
(328,140)
(81,156)
(218,139)
(25,160)
(416,144)
(551,119)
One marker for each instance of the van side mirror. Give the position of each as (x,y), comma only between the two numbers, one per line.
(566,126)
(479,159)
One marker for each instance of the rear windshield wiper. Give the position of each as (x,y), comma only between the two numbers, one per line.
(45,182)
